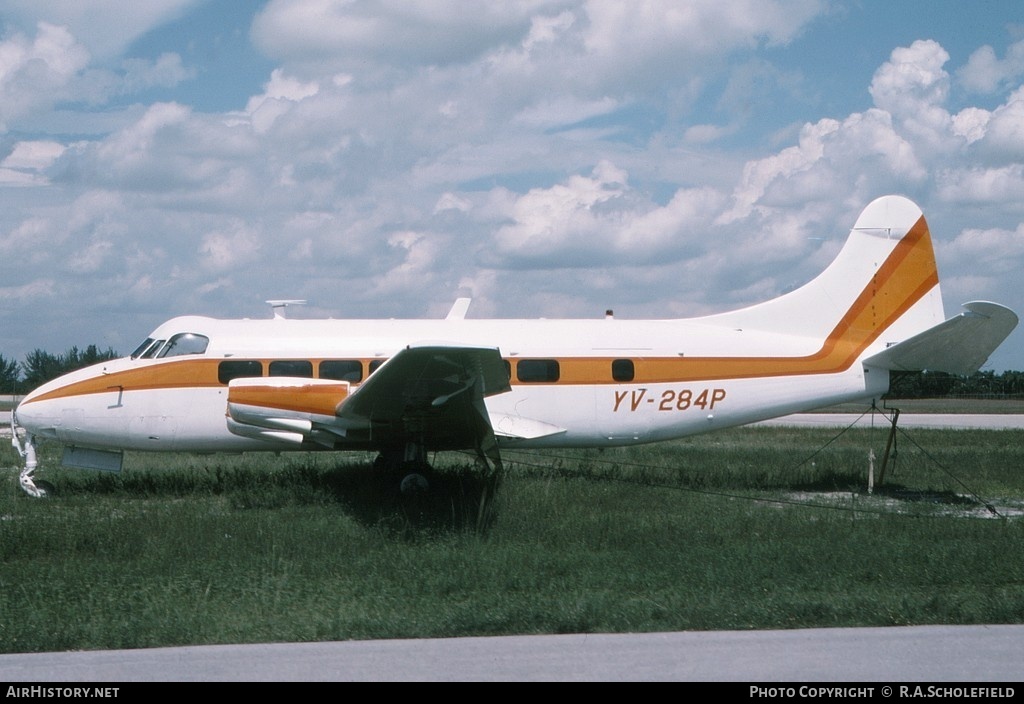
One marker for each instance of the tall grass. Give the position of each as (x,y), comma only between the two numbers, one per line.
(752,528)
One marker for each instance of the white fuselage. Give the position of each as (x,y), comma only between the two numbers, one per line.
(686,377)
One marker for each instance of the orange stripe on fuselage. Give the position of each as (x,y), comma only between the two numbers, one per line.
(186,373)
(907,274)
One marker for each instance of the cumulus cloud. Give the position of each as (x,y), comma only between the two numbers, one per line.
(281,93)
(912,77)
(913,87)
(994,250)
(600,220)
(826,164)
(399,154)
(411,32)
(226,250)
(25,241)
(139,74)
(1002,138)
(986,73)
(36,72)
(40,71)
(25,165)
(664,27)
(982,185)
(135,155)
(971,123)
(104,27)
(33,292)
(598,46)
(983,259)
(551,223)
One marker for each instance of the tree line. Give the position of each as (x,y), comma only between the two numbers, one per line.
(40,366)
(983,384)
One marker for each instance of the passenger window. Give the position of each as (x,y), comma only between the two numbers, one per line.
(238,369)
(534,371)
(374,364)
(622,370)
(342,370)
(185,343)
(291,367)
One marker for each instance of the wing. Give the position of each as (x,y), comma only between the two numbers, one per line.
(429,394)
(959,345)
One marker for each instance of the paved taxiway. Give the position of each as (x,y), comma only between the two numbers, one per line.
(958,421)
(898,654)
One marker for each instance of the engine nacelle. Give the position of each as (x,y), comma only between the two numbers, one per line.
(282,409)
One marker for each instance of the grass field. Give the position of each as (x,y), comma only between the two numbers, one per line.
(745,529)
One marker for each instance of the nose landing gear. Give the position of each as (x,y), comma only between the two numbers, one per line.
(27,451)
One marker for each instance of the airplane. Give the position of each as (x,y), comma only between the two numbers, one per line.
(406,388)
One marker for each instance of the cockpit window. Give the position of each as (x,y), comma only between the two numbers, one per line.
(142,348)
(185,343)
(152,350)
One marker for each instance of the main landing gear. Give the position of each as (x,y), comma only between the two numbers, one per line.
(407,466)
(427,498)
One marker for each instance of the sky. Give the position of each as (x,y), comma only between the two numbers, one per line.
(547,158)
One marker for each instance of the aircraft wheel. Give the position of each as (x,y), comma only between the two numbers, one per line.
(417,476)
(414,483)
(45,489)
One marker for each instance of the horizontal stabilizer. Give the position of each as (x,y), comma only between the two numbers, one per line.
(960,345)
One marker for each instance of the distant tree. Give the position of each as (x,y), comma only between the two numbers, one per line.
(1008,384)
(1013,383)
(936,384)
(92,355)
(41,366)
(8,375)
(75,359)
(904,385)
(920,384)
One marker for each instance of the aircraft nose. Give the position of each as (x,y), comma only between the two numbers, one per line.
(36,416)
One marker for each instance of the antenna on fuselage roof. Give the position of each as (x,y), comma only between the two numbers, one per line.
(280,305)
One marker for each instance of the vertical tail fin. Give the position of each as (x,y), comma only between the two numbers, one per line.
(879,302)
(881,288)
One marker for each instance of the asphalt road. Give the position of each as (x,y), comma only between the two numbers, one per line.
(923,654)
(962,421)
